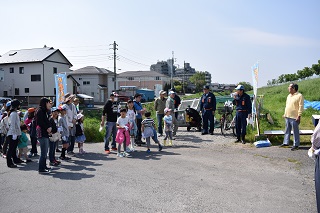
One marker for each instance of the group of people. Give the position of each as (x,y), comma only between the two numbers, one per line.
(46,126)
(127,126)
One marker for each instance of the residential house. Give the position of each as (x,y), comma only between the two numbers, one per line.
(28,74)
(95,82)
(143,79)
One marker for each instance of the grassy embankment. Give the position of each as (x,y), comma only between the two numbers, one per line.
(274,99)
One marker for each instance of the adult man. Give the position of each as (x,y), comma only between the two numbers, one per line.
(170,104)
(140,111)
(72,119)
(110,110)
(207,108)
(159,106)
(177,102)
(244,108)
(292,115)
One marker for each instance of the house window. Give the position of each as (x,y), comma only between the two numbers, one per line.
(35,77)
(26,90)
(55,70)
(11,69)
(130,78)
(16,91)
(80,79)
(5,93)
(158,78)
(113,79)
(86,83)
(21,70)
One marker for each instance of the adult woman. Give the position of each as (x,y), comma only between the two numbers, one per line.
(43,129)
(13,134)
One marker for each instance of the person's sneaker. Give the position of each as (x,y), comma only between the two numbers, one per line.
(283,145)
(35,155)
(107,151)
(120,155)
(57,161)
(48,168)
(54,163)
(12,166)
(58,150)
(71,153)
(4,156)
(28,160)
(294,148)
(238,140)
(19,161)
(114,149)
(44,171)
(203,133)
(160,135)
(160,148)
(128,149)
(211,133)
(148,151)
(126,154)
(30,155)
(64,158)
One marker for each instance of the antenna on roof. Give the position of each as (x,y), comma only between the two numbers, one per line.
(45,46)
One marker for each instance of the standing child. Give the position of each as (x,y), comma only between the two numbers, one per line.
(23,143)
(167,126)
(55,136)
(30,122)
(131,114)
(80,137)
(63,123)
(123,133)
(148,130)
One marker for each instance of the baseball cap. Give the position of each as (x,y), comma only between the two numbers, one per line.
(240,87)
(206,87)
(8,104)
(162,92)
(63,107)
(30,110)
(53,109)
(171,92)
(167,110)
(80,115)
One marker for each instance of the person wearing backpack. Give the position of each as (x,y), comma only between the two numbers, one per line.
(30,122)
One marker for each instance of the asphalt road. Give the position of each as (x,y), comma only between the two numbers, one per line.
(199,174)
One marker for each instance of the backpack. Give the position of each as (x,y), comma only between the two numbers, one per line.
(3,126)
(78,130)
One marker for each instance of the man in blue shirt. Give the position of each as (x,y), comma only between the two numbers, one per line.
(207,108)
(244,108)
(139,112)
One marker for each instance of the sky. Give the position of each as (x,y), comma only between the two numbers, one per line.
(225,38)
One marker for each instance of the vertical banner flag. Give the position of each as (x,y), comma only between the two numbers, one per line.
(61,87)
(255,72)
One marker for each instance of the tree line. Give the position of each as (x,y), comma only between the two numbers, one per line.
(299,75)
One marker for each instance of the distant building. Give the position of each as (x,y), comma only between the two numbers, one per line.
(28,74)
(143,79)
(95,82)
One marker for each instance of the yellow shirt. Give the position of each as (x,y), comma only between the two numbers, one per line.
(294,105)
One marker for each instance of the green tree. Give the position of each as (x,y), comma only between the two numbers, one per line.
(247,85)
(199,80)
(281,79)
(316,68)
(305,73)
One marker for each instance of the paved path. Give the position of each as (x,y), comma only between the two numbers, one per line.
(199,174)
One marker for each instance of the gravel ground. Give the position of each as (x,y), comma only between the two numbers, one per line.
(207,173)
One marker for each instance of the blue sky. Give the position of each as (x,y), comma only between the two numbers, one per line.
(224,38)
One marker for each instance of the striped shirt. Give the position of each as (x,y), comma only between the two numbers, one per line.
(148,122)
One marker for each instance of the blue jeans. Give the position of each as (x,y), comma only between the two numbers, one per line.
(110,128)
(52,151)
(44,145)
(294,125)
(159,119)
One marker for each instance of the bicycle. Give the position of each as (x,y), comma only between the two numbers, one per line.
(227,121)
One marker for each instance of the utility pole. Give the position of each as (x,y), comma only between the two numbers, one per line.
(172,69)
(114,63)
